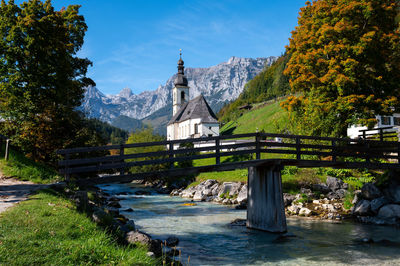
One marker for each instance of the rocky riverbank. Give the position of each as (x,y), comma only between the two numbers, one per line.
(331,200)
(104,209)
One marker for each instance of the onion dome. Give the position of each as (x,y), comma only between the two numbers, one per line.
(181,80)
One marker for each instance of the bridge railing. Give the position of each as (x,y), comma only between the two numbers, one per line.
(381,133)
(293,149)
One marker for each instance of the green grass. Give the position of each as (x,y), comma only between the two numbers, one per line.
(22,168)
(269,117)
(47,230)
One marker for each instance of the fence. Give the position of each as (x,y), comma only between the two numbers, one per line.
(303,151)
(7,146)
(381,133)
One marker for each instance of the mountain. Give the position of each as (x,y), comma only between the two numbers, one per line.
(219,84)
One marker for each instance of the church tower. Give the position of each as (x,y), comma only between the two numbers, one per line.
(180,93)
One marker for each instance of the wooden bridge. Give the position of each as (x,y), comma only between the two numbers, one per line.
(259,152)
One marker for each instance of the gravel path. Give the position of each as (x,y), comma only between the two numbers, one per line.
(13,191)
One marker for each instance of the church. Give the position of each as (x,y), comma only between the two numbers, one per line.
(190,119)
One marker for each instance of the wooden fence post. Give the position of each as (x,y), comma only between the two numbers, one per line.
(258,146)
(367,159)
(217,155)
(66,175)
(6,155)
(298,154)
(333,150)
(121,153)
(381,134)
(170,154)
(398,153)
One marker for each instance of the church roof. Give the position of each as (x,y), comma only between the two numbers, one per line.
(196,108)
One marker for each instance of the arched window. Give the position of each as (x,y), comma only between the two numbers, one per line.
(182,96)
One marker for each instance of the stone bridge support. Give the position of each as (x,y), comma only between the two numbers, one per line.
(265,207)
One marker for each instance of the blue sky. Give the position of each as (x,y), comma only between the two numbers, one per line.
(136,44)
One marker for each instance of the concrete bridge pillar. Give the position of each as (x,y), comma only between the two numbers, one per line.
(265,206)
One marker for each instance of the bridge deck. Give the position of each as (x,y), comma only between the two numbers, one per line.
(246,150)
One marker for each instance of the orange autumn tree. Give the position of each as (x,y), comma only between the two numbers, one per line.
(344,66)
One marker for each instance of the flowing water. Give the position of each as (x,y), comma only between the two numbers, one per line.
(206,235)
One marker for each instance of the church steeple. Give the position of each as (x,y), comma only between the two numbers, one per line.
(181,90)
(181,80)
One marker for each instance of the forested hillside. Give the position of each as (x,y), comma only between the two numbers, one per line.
(269,84)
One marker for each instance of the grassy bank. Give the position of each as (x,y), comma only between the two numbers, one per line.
(269,117)
(22,168)
(47,229)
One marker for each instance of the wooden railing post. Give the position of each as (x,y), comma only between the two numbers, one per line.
(121,153)
(333,150)
(171,154)
(66,174)
(367,158)
(364,134)
(381,134)
(7,151)
(398,153)
(298,151)
(217,152)
(258,146)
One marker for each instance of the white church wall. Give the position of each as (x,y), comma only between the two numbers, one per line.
(208,129)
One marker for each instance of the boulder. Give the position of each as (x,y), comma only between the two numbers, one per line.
(370,191)
(329,207)
(226,201)
(172,241)
(138,237)
(390,211)
(242,197)
(156,247)
(357,197)
(209,183)
(334,183)
(294,209)
(305,212)
(288,199)
(199,195)
(341,193)
(333,195)
(214,189)
(114,204)
(238,222)
(377,203)
(321,188)
(188,193)
(100,217)
(129,226)
(393,191)
(305,190)
(232,187)
(363,208)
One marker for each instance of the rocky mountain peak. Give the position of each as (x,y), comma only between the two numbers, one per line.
(218,84)
(125,93)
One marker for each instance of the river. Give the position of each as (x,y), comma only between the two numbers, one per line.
(206,236)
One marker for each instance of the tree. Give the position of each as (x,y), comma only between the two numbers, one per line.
(42,79)
(344,65)
(146,135)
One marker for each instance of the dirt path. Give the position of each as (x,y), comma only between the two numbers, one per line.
(13,191)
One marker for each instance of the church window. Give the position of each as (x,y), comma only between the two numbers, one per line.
(396,121)
(196,128)
(182,96)
(386,120)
